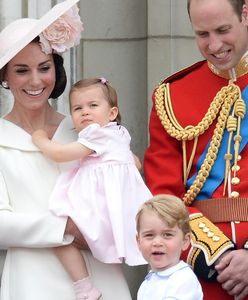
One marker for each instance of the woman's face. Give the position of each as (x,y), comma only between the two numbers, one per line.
(31,77)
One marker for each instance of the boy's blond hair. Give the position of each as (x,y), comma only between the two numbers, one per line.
(170,209)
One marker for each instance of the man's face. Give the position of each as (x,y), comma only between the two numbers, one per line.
(221,36)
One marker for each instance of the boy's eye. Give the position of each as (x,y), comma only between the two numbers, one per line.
(148,235)
(167,234)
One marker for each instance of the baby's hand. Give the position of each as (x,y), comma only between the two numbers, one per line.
(137,162)
(38,135)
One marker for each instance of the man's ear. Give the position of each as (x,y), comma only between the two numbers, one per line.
(244,16)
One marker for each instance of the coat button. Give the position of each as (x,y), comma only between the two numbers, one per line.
(235,180)
(235,194)
(236,168)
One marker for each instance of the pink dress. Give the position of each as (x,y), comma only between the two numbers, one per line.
(103,194)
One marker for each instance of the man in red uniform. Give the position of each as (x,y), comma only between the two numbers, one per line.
(198,146)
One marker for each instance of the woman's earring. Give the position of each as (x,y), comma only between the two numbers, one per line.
(5,84)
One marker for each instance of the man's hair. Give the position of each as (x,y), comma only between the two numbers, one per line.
(170,209)
(236,4)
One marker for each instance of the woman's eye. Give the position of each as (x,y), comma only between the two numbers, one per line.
(21,71)
(45,68)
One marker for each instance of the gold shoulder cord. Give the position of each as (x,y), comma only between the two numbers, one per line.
(228,97)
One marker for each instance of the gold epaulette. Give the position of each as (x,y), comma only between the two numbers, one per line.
(181,73)
(208,238)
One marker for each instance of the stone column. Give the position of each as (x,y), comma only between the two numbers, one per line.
(171,43)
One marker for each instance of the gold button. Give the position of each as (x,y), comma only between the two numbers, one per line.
(234,194)
(239,157)
(235,180)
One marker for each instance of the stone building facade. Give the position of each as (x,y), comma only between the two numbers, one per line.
(132,43)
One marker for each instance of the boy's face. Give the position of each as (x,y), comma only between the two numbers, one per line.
(160,245)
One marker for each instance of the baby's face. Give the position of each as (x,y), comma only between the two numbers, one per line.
(89,105)
(160,245)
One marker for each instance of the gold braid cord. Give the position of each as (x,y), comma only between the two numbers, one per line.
(220,106)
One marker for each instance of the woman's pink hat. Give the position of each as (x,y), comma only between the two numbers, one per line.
(59,29)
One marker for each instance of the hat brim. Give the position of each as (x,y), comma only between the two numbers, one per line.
(52,15)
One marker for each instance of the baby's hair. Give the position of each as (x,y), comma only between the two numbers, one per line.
(108,91)
(170,209)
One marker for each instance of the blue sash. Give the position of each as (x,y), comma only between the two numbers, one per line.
(217,173)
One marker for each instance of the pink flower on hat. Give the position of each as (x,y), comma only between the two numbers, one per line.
(62,34)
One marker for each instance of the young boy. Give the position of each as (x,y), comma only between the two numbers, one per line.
(163,232)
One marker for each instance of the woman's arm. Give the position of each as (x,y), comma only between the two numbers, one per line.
(59,152)
(26,229)
(34,230)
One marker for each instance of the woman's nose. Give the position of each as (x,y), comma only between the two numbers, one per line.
(35,79)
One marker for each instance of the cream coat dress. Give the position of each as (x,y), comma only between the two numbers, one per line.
(28,230)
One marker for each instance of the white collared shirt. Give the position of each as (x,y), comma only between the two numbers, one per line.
(176,283)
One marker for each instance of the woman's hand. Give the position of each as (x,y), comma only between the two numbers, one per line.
(79,240)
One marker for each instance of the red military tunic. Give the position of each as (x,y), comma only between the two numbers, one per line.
(191,93)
